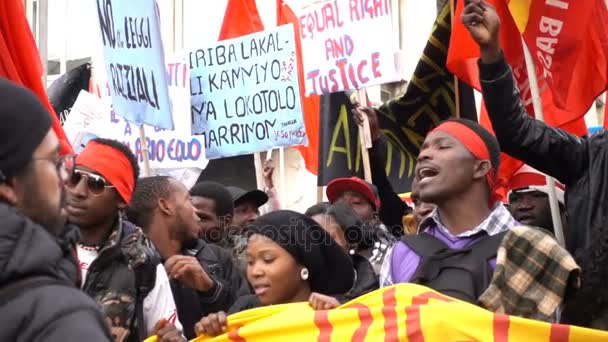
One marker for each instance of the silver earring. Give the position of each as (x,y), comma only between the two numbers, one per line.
(352,252)
(304,274)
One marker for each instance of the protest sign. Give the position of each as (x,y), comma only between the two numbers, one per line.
(404,121)
(245,94)
(167,149)
(403,312)
(346,44)
(134,61)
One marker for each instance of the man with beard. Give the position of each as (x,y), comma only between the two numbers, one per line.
(38,294)
(203,277)
(455,249)
(119,269)
(529,199)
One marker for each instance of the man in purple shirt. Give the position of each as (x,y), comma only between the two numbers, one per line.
(454,251)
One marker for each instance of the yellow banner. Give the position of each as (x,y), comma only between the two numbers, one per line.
(404,312)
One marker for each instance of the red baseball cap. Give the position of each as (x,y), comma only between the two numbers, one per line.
(338,186)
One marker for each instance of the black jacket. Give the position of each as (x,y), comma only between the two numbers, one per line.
(230,284)
(579,163)
(366,280)
(392,208)
(49,312)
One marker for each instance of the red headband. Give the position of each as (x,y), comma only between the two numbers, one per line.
(478,148)
(112,164)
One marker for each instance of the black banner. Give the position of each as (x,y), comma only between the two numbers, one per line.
(404,121)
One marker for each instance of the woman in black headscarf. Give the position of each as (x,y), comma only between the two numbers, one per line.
(290,259)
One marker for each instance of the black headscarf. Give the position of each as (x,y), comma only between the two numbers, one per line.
(331,270)
(24,123)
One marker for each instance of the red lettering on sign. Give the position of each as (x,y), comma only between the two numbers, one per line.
(366,318)
(413,326)
(559,333)
(501,328)
(389,311)
(234,336)
(325,328)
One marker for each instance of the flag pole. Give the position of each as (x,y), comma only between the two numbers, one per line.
(538,111)
(365,138)
(145,150)
(456,86)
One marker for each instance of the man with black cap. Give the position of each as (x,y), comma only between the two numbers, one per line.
(455,249)
(38,293)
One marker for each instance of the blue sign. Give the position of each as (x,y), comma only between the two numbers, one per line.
(134,61)
(245,94)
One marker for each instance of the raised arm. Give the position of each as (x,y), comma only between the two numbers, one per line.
(550,150)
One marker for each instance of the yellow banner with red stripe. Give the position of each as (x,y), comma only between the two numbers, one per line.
(404,312)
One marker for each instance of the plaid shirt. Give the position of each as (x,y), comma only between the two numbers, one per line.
(533,275)
(500,220)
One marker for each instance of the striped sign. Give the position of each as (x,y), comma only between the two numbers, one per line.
(404,312)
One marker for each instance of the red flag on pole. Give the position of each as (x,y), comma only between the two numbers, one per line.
(20,61)
(311,104)
(462,61)
(241,18)
(569,42)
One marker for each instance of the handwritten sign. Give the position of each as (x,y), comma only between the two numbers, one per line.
(346,44)
(134,61)
(245,94)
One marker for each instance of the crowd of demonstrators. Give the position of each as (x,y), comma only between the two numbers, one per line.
(203,276)
(119,268)
(578,163)
(39,279)
(289,259)
(118,257)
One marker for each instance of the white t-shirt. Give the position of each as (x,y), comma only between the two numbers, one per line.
(158,304)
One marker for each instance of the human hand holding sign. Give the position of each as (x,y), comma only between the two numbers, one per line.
(372,117)
(212,325)
(483,23)
(167,332)
(188,271)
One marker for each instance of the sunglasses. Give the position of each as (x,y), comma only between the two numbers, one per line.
(95,183)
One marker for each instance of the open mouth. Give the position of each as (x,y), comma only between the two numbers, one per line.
(525,219)
(425,173)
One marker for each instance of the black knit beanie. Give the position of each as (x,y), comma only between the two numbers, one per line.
(24,124)
(331,271)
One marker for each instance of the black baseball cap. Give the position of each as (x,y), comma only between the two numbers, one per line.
(258,197)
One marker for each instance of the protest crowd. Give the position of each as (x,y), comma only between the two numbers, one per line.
(95,248)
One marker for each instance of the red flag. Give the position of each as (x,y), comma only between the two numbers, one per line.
(241,18)
(462,61)
(20,61)
(311,104)
(568,40)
